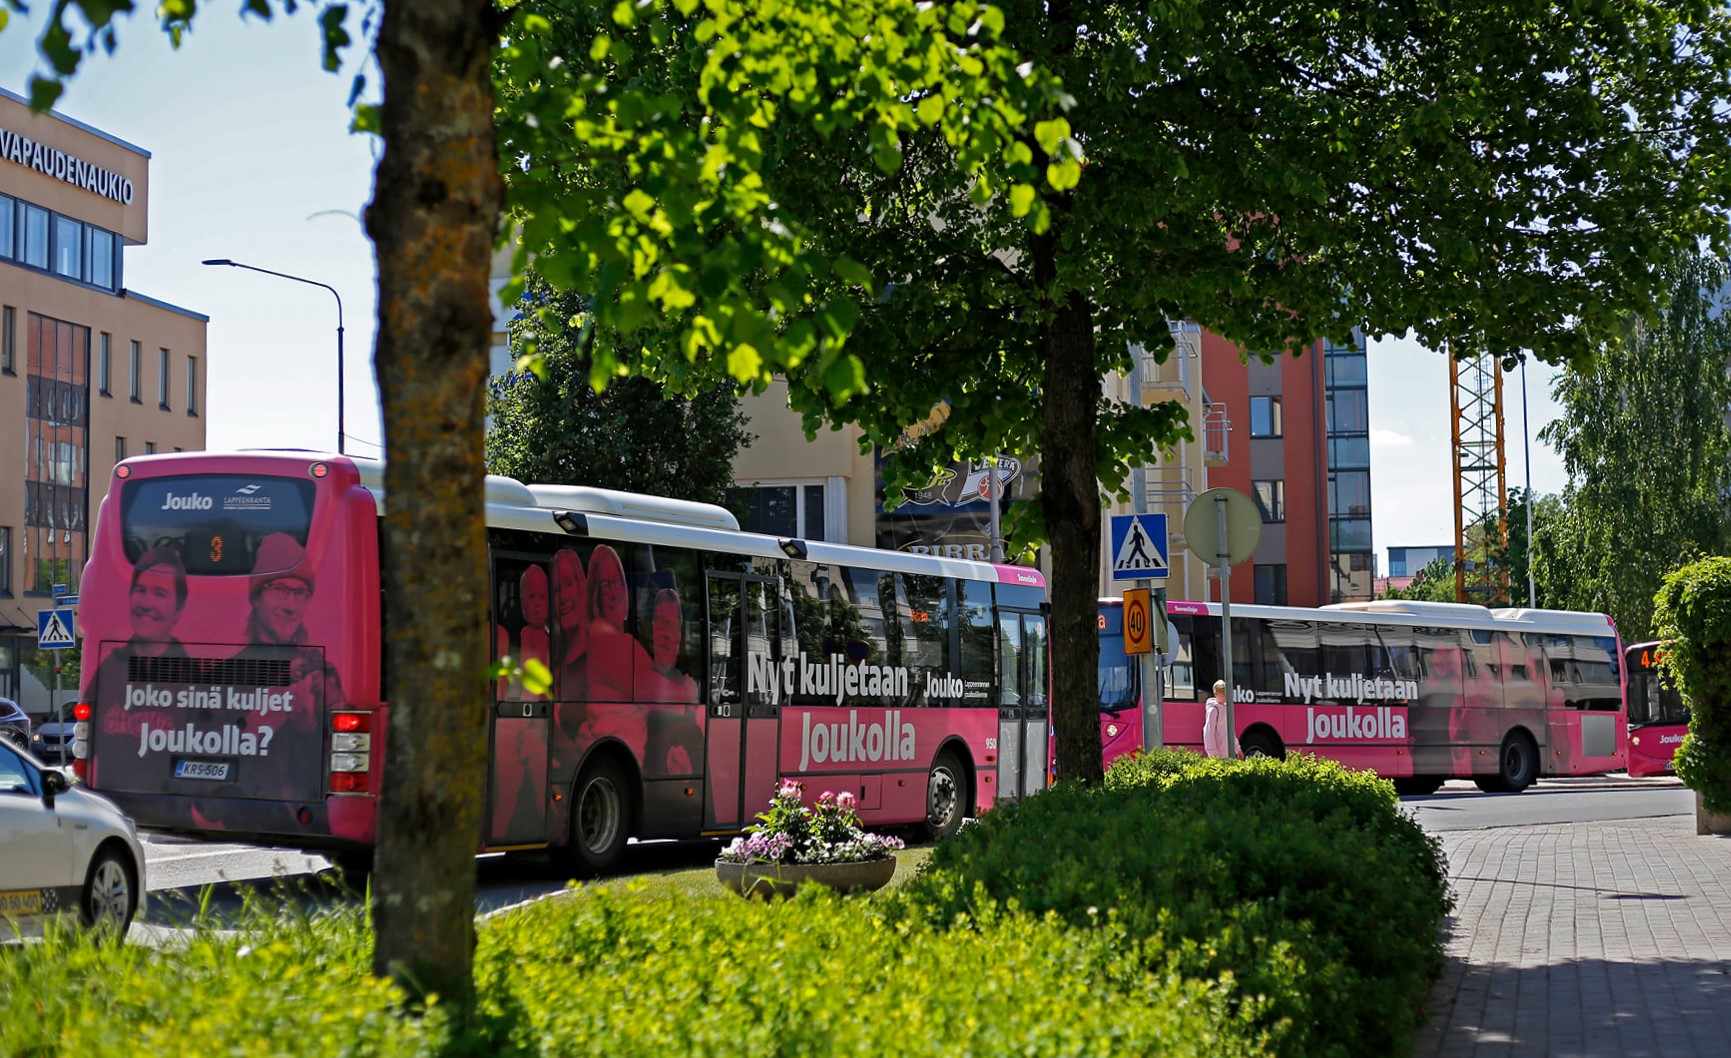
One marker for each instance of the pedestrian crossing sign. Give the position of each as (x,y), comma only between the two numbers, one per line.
(54,630)
(1139,547)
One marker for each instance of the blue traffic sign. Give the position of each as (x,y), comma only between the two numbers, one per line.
(1139,547)
(66,600)
(54,630)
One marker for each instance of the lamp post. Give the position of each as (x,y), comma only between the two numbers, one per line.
(334,294)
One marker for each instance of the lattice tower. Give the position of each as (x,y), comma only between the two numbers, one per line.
(1481,490)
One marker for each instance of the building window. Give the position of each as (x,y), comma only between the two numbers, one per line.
(1348,411)
(149,448)
(1349,492)
(162,378)
(104,363)
(5,560)
(1270,499)
(1271,585)
(781,510)
(8,222)
(9,340)
(34,251)
(119,449)
(136,383)
(1265,417)
(68,247)
(192,385)
(101,257)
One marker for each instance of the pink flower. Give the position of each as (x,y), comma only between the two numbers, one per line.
(789,788)
(845,801)
(827,798)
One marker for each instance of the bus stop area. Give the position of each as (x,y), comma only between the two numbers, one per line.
(1580,941)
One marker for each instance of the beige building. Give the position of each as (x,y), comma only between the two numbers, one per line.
(90,372)
(1169,482)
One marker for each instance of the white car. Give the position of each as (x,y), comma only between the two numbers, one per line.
(64,853)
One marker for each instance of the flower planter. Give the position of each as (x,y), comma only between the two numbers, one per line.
(1710,822)
(766,880)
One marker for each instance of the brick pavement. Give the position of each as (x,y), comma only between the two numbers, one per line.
(1586,940)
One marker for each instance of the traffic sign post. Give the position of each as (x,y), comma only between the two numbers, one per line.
(55,630)
(1138,622)
(1139,548)
(1141,553)
(1222,527)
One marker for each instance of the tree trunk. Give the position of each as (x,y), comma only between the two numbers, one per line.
(433,220)
(1070,500)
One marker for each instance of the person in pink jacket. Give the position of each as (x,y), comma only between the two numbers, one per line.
(1214,741)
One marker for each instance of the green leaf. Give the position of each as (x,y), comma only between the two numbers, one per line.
(536,678)
(931,110)
(744,363)
(1021,199)
(1050,135)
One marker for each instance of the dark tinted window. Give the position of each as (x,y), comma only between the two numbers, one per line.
(218,521)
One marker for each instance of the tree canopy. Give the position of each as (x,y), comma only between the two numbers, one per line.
(1645,443)
(1495,178)
(556,428)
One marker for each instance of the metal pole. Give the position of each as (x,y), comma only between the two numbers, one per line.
(1527,458)
(341,437)
(992,495)
(1226,625)
(1151,713)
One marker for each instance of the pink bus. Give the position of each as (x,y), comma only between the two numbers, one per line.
(1418,692)
(1658,716)
(233,602)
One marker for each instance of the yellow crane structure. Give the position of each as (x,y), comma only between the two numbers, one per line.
(1481,487)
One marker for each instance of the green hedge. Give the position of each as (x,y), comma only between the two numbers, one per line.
(622,974)
(1190,908)
(1692,613)
(1299,880)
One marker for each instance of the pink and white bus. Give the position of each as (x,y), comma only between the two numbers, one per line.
(1658,716)
(233,602)
(1418,692)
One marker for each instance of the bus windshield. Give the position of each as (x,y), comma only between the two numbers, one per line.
(1652,701)
(214,521)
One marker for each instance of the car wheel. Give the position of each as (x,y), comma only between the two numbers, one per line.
(600,819)
(110,894)
(1261,744)
(946,795)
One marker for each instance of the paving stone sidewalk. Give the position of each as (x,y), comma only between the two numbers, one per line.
(1586,940)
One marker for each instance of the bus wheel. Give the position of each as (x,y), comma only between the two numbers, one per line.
(1261,744)
(600,818)
(1518,763)
(1418,785)
(946,788)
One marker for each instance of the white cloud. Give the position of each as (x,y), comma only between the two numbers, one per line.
(1380,438)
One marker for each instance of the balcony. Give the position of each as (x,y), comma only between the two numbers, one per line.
(1216,435)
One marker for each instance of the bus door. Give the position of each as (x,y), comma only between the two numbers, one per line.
(518,784)
(1023,683)
(744,697)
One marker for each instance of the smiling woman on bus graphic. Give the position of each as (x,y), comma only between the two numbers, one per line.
(154,605)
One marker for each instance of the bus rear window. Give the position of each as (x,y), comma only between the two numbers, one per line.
(215,521)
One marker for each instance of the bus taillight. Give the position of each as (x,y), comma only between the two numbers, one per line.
(351,752)
(350,782)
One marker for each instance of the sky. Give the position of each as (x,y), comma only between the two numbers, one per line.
(251,160)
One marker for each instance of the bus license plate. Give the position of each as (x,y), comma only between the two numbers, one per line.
(201,769)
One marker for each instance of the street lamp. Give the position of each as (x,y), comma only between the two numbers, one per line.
(334,294)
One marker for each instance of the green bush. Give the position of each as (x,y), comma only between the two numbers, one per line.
(1692,613)
(624,974)
(278,986)
(1299,880)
